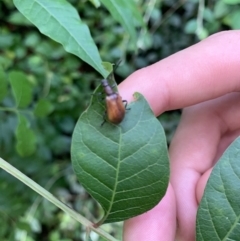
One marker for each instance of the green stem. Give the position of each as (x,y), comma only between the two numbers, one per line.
(201,7)
(8,109)
(15,110)
(43,192)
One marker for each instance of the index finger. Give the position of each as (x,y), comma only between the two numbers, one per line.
(201,72)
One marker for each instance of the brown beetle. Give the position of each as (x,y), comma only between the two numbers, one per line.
(115,109)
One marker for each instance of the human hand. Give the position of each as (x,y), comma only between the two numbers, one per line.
(205,77)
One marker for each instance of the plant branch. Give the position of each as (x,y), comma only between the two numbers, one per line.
(201,7)
(167,15)
(43,192)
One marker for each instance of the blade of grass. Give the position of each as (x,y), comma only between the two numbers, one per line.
(43,192)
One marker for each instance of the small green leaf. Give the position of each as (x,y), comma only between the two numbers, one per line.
(123,14)
(21,87)
(6,40)
(221,9)
(23,226)
(5,62)
(125,167)
(191,26)
(60,21)
(208,15)
(18,19)
(43,108)
(202,33)
(233,19)
(26,139)
(95,3)
(3,84)
(231,2)
(218,215)
(108,66)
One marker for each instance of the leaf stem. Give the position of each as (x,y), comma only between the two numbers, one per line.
(15,110)
(8,109)
(201,7)
(43,192)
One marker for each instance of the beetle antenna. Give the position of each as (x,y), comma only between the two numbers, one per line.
(116,65)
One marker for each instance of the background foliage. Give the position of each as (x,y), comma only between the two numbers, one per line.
(61,86)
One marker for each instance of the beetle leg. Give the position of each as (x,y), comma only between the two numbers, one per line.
(126,103)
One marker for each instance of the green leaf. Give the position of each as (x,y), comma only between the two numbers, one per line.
(130,4)
(202,33)
(108,66)
(21,87)
(3,84)
(221,9)
(43,108)
(23,226)
(26,139)
(191,26)
(6,40)
(231,2)
(5,62)
(18,19)
(208,15)
(120,11)
(233,19)
(125,167)
(60,21)
(218,215)
(95,3)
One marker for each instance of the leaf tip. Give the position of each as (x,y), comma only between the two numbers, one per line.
(137,96)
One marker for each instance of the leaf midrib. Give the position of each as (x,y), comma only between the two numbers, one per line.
(73,37)
(116,182)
